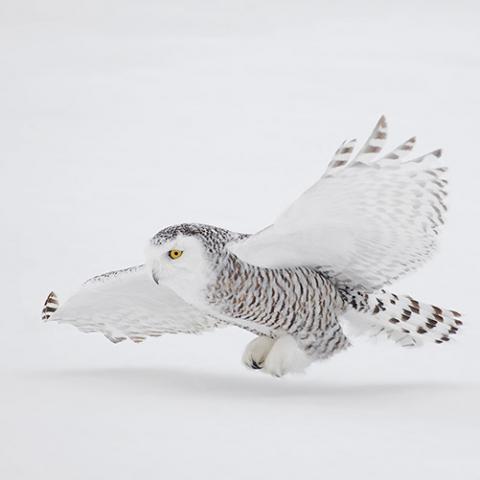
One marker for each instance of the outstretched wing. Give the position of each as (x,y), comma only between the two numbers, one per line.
(365,223)
(127,304)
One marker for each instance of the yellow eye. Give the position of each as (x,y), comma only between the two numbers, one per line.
(174,254)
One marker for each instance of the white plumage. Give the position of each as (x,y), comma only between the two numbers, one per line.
(369,220)
(365,222)
(127,304)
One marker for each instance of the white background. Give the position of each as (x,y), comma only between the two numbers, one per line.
(120,118)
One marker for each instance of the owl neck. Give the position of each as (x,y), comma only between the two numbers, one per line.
(230,276)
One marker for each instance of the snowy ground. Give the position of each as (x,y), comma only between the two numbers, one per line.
(119,118)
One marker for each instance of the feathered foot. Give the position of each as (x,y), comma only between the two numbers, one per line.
(256,352)
(286,357)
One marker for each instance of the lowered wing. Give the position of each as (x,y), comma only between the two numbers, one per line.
(127,304)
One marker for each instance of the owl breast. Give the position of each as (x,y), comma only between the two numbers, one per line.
(300,301)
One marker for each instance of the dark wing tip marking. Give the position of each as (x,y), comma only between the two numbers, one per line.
(50,306)
(408,145)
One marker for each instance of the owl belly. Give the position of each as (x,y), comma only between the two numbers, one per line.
(249,325)
(299,301)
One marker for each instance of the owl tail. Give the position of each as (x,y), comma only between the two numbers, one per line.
(401,318)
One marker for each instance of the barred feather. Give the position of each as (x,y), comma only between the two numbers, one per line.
(342,155)
(401,318)
(50,306)
(373,146)
(404,149)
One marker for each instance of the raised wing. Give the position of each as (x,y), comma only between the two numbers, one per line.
(365,223)
(127,304)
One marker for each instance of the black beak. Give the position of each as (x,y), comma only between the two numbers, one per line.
(155,277)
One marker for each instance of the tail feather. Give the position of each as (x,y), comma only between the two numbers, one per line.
(400,317)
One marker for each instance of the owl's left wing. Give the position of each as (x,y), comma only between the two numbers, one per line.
(365,223)
(127,304)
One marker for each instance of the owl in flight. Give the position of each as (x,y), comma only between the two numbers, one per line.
(302,285)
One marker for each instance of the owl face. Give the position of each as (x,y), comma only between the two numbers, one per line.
(180,263)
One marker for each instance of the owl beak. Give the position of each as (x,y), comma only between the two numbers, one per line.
(155,277)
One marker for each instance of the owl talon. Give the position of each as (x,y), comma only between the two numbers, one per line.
(256,352)
(255,366)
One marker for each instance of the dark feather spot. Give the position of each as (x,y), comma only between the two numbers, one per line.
(255,365)
(372,149)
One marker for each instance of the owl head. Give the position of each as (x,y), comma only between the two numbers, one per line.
(185,257)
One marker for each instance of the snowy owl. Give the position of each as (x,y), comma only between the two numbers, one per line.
(303,285)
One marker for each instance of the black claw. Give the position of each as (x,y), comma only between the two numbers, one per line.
(255,366)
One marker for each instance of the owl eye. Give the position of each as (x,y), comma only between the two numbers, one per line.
(174,254)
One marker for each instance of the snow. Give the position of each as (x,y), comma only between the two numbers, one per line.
(119,118)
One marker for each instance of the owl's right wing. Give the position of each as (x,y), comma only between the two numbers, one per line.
(127,304)
(365,223)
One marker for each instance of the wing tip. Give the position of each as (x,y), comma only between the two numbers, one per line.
(50,306)
(408,145)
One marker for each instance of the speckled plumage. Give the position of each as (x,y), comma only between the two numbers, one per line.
(302,284)
(300,301)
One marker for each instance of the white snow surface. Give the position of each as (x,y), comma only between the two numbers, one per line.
(119,118)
